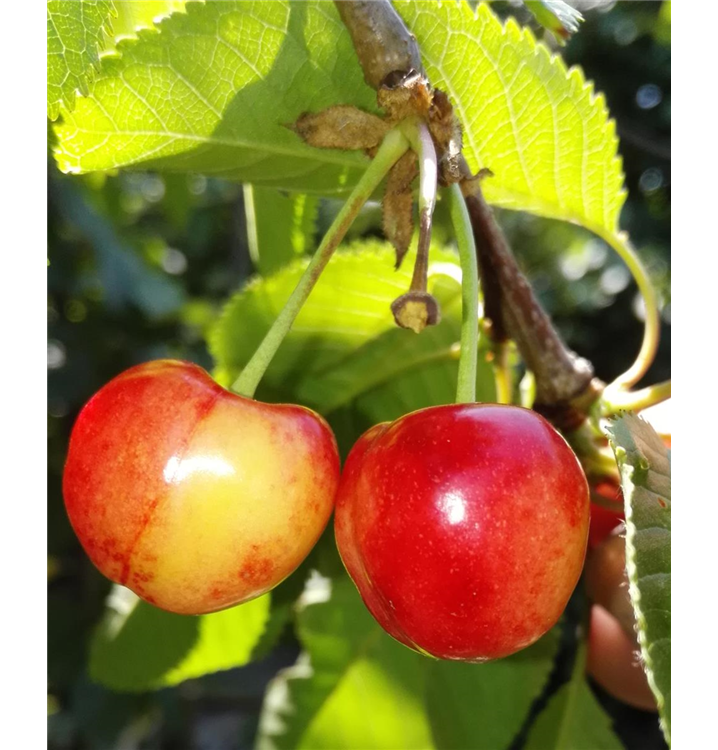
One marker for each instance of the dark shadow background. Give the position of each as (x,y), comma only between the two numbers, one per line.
(140,265)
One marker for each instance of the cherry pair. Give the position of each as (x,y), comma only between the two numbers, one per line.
(464,526)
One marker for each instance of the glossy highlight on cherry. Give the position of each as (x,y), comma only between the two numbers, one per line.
(464,527)
(195,498)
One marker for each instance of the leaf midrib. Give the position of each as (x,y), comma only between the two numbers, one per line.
(343,158)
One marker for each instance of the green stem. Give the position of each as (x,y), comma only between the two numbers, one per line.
(618,400)
(392,148)
(466,382)
(595,460)
(647,353)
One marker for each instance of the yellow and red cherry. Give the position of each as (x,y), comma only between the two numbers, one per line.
(196,498)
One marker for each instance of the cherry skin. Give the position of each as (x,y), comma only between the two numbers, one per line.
(464,528)
(613,654)
(606,580)
(193,497)
(614,661)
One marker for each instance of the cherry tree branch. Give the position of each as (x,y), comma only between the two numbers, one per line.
(563,380)
(382,42)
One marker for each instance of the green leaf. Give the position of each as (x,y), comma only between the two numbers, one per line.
(645,466)
(138,647)
(280,227)
(573,720)
(344,346)
(354,688)
(75,32)
(211,90)
(133,16)
(539,127)
(483,706)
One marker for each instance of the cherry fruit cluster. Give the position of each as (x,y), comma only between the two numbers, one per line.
(464,526)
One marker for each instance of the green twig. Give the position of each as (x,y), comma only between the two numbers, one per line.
(391,149)
(619,242)
(614,401)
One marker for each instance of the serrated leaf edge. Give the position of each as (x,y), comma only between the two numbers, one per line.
(113,57)
(85,80)
(121,44)
(627,472)
(513,33)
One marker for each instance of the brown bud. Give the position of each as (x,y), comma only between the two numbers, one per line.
(416,310)
(404,95)
(397,219)
(445,129)
(342,127)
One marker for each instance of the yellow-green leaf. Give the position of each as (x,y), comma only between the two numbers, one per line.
(344,346)
(210,91)
(539,127)
(75,32)
(138,647)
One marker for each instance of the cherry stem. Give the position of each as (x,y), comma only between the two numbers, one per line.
(620,243)
(394,145)
(514,311)
(618,400)
(420,139)
(596,460)
(466,381)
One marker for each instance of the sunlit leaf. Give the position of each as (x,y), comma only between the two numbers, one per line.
(344,346)
(539,127)
(355,687)
(645,466)
(75,32)
(133,16)
(138,647)
(211,91)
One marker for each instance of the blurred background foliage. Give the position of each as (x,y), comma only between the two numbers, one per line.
(140,266)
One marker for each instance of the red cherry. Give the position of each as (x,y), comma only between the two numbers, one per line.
(606,580)
(614,661)
(193,497)
(613,655)
(464,528)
